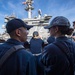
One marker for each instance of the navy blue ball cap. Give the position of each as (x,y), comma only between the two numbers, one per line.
(15,24)
(58,21)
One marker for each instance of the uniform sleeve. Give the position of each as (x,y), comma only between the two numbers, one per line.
(31,67)
(26,64)
(42,43)
(49,61)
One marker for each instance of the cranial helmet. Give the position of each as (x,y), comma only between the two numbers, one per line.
(58,21)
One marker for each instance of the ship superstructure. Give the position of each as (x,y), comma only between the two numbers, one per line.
(37,22)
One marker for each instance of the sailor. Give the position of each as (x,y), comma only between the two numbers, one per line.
(20,62)
(36,43)
(36,46)
(58,57)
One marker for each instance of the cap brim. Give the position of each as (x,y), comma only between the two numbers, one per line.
(29,26)
(47,27)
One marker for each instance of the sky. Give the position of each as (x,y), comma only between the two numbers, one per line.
(53,8)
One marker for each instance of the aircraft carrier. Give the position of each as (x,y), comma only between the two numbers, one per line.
(38,22)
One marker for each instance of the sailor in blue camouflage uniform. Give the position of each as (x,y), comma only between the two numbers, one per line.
(36,46)
(58,57)
(36,43)
(21,62)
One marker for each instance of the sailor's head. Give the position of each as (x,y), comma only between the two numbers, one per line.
(59,24)
(35,34)
(58,21)
(15,24)
(18,28)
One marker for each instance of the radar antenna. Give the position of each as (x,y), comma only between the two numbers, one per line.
(29,7)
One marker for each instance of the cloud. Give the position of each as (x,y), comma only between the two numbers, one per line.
(11,5)
(1,22)
(4,7)
(18,9)
(66,8)
(1,18)
(1,15)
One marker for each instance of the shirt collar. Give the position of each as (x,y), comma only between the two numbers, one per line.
(14,41)
(62,38)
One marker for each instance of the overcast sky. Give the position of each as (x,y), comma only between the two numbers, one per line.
(50,7)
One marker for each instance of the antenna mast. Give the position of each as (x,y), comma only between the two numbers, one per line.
(29,7)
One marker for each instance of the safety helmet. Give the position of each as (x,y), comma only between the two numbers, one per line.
(58,21)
